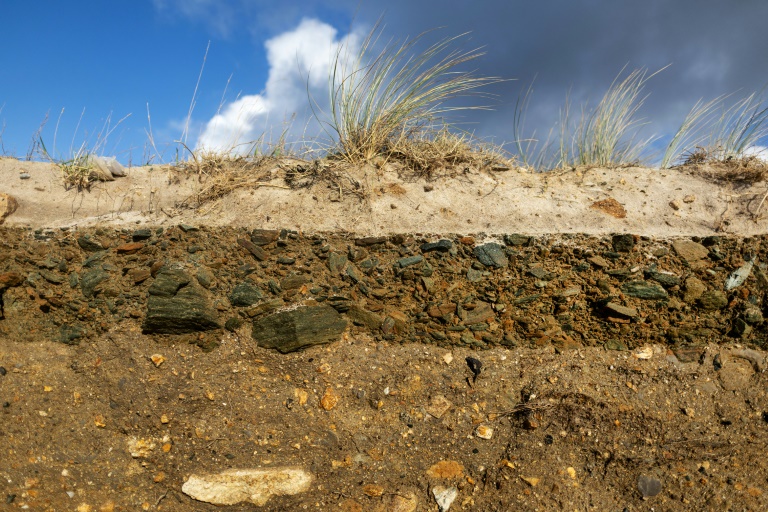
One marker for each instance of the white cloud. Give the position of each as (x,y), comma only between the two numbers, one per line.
(299,62)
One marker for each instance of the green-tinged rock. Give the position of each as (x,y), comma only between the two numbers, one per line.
(712,300)
(91,280)
(168,282)
(336,262)
(516,239)
(644,290)
(288,331)
(71,334)
(410,260)
(491,255)
(88,244)
(264,307)
(294,281)
(694,288)
(245,294)
(360,316)
(177,305)
(615,345)
(233,323)
(663,278)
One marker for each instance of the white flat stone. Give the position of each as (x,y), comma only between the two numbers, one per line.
(255,486)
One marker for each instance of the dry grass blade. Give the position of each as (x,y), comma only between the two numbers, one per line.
(377,98)
(692,132)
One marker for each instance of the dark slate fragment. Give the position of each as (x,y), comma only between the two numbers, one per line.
(370,240)
(491,255)
(187,311)
(245,294)
(623,242)
(644,290)
(440,246)
(168,282)
(141,234)
(91,280)
(410,260)
(288,331)
(87,243)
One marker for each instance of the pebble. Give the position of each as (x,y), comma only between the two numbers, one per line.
(444,496)
(254,486)
(3,371)
(648,486)
(484,432)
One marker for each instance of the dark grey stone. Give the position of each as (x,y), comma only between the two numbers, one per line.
(623,242)
(440,246)
(89,244)
(288,331)
(245,294)
(410,260)
(336,261)
(360,316)
(644,290)
(177,305)
(491,255)
(264,236)
(91,280)
(256,251)
(141,234)
(294,281)
(516,240)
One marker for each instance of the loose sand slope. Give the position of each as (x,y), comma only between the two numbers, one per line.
(498,202)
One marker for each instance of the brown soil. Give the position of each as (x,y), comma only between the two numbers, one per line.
(590,405)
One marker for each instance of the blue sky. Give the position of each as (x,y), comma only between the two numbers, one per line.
(113,58)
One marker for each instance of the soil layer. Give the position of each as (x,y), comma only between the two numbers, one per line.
(603,373)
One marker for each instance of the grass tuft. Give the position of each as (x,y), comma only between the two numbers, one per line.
(381,99)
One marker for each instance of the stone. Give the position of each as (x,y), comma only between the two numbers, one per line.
(245,294)
(753,316)
(663,278)
(10,279)
(621,310)
(70,334)
(694,288)
(491,255)
(516,240)
(644,290)
(448,469)
(294,281)
(370,240)
(598,261)
(8,205)
(138,275)
(129,248)
(648,486)
(440,246)
(444,496)
(623,242)
(689,250)
(714,299)
(482,312)
(336,262)
(91,280)
(291,330)
(409,260)
(88,244)
(360,316)
(141,234)
(262,237)
(177,304)
(254,486)
(256,251)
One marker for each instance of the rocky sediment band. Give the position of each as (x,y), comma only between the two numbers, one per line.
(293,290)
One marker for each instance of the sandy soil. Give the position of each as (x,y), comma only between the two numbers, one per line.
(498,202)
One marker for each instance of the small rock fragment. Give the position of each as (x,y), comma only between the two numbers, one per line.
(329,400)
(438,406)
(531,480)
(373,490)
(157,359)
(444,496)
(484,432)
(475,366)
(140,448)
(649,486)
(255,486)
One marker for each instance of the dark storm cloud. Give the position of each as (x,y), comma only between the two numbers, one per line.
(715,46)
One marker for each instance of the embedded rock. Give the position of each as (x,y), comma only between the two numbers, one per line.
(288,331)
(177,304)
(254,486)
